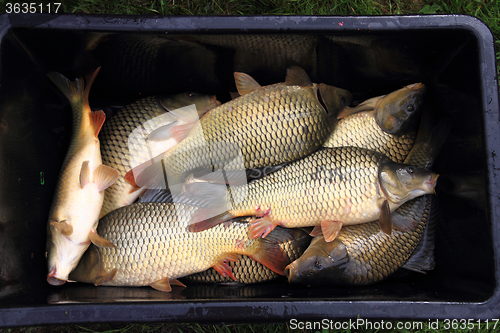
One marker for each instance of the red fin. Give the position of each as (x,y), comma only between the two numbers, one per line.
(316,231)
(261,227)
(63,227)
(99,241)
(175,282)
(270,253)
(330,229)
(85,174)
(162,285)
(97,119)
(385,220)
(148,174)
(207,223)
(223,268)
(105,176)
(245,83)
(180,132)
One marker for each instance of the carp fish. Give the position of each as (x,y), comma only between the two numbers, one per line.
(361,254)
(248,271)
(328,189)
(154,248)
(386,124)
(141,131)
(79,194)
(265,126)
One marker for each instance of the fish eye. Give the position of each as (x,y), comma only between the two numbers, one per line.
(190,94)
(411,170)
(311,273)
(410,108)
(318,265)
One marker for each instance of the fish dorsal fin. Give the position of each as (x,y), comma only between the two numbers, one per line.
(385,220)
(402,222)
(245,83)
(99,241)
(296,76)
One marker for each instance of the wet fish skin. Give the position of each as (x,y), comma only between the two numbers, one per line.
(384,124)
(124,145)
(79,194)
(249,271)
(362,254)
(266,126)
(154,248)
(345,185)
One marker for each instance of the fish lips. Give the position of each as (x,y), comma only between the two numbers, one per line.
(53,280)
(321,263)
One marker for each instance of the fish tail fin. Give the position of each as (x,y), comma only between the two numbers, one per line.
(270,253)
(429,141)
(75,91)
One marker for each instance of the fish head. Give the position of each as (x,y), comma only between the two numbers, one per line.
(321,263)
(402,182)
(202,102)
(333,99)
(89,267)
(396,112)
(62,256)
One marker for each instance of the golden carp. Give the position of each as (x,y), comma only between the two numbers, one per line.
(265,126)
(361,254)
(141,131)
(246,270)
(154,248)
(327,189)
(79,194)
(385,124)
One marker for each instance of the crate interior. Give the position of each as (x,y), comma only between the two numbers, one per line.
(35,127)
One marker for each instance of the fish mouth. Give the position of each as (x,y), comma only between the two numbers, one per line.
(53,280)
(415,86)
(430,183)
(290,272)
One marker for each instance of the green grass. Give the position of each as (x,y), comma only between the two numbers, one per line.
(486,10)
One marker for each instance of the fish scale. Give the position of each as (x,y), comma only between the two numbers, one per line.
(361,130)
(307,120)
(246,270)
(152,243)
(300,195)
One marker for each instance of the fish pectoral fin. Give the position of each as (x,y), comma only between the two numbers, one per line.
(403,223)
(261,227)
(331,229)
(101,278)
(162,285)
(385,219)
(84,174)
(296,76)
(180,132)
(99,241)
(162,133)
(97,119)
(316,231)
(245,83)
(63,227)
(105,176)
(223,268)
(368,105)
(269,252)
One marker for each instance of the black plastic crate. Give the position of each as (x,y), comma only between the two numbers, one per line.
(454,56)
